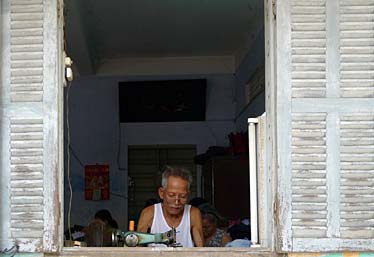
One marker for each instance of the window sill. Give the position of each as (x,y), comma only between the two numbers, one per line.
(164,252)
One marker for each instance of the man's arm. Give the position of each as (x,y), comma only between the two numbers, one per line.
(196,227)
(145,220)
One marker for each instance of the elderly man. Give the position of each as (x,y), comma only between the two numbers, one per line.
(173,212)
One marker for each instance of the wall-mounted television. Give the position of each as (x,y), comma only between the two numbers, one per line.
(162,100)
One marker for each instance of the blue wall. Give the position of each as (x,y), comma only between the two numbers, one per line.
(254,58)
(95,136)
(95,129)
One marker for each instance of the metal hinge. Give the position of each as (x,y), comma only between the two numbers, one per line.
(275,209)
(59,8)
(274,8)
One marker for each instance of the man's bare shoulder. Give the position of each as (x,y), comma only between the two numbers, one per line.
(195,210)
(149,210)
(195,213)
(196,226)
(146,219)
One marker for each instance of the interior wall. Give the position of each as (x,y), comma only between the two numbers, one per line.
(253,59)
(96,136)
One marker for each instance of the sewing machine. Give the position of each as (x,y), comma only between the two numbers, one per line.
(134,238)
(98,235)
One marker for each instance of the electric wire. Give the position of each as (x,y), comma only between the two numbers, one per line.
(119,147)
(68,158)
(118,195)
(73,153)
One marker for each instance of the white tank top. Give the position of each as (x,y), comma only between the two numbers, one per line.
(159,225)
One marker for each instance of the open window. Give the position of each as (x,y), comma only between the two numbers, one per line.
(318,130)
(150,78)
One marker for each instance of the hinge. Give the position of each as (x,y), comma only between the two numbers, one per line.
(275,208)
(274,8)
(60,9)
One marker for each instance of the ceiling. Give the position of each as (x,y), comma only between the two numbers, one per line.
(122,32)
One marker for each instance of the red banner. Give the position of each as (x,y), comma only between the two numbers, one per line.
(96,182)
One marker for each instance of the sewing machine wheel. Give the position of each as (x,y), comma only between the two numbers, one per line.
(131,240)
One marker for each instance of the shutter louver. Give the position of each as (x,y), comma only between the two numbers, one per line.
(357,48)
(325,91)
(357,130)
(31,132)
(27,125)
(26,60)
(309,175)
(26,142)
(357,176)
(308,44)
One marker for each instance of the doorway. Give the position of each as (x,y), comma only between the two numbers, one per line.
(145,166)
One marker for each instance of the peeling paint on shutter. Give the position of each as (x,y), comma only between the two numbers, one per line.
(325,84)
(357,129)
(26,147)
(357,175)
(309,196)
(357,48)
(26,58)
(27,132)
(308,44)
(31,117)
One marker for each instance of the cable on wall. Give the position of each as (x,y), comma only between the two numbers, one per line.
(74,154)
(68,158)
(119,147)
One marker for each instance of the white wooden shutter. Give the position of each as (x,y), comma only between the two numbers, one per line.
(325,106)
(30,118)
(357,129)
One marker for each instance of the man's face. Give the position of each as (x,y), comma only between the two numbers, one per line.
(174,195)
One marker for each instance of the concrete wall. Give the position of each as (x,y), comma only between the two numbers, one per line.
(95,136)
(95,129)
(254,58)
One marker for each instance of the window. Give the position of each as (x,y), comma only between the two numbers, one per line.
(92,105)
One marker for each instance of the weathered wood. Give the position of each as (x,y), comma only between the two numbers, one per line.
(308,175)
(26,26)
(326,153)
(308,39)
(143,252)
(26,178)
(26,123)
(357,48)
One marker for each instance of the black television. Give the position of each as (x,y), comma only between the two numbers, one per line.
(162,100)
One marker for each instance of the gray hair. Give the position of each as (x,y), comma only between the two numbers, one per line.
(176,172)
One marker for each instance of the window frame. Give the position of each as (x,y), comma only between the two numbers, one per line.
(266,182)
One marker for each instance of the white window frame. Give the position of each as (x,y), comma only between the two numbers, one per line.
(266,185)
